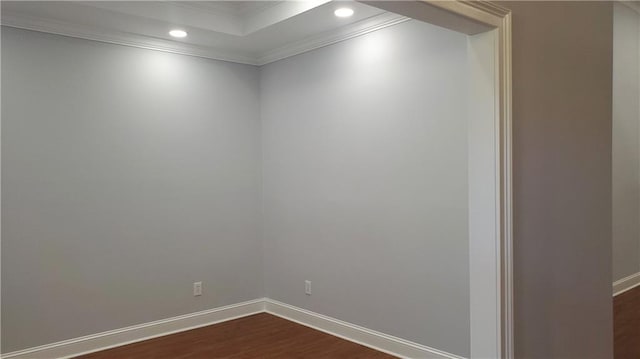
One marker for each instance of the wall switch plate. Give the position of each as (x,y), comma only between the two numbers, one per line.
(307,287)
(197,289)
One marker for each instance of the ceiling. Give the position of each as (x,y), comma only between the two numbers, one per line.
(251,32)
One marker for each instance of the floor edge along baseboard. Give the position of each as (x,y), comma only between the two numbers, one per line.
(136,333)
(370,338)
(128,335)
(625,284)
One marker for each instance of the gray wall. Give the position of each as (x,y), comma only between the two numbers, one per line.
(626,142)
(562,179)
(365,183)
(128,174)
(562,184)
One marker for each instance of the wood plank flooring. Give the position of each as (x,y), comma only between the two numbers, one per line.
(267,336)
(258,336)
(626,324)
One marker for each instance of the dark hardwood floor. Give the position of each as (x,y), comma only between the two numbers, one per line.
(258,336)
(626,323)
(267,336)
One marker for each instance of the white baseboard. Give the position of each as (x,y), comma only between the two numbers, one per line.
(136,333)
(625,284)
(114,338)
(354,333)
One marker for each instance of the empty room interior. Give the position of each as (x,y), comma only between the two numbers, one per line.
(319,179)
(626,180)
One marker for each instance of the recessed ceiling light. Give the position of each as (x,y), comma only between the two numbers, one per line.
(343,12)
(178,33)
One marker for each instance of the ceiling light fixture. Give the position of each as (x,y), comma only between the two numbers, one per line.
(343,12)
(178,33)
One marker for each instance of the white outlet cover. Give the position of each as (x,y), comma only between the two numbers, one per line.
(197,288)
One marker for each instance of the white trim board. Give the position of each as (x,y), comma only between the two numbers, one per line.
(625,284)
(136,333)
(327,38)
(118,337)
(309,43)
(354,333)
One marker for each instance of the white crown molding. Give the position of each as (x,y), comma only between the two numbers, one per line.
(331,37)
(354,333)
(22,21)
(626,284)
(123,336)
(359,28)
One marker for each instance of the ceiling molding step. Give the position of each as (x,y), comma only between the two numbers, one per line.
(634,5)
(331,37)
(120,38)
(359,28)
(183,14)
(237,8)
(224,17)
(280,12)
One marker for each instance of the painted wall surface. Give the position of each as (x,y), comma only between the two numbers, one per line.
(482,170)
(128,175)
(562,178)
(626,142)
(562,186)
(365,183)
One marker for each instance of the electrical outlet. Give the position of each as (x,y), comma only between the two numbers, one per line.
(197,289)
(307,287)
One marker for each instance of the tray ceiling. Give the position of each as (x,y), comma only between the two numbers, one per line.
(251,32)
